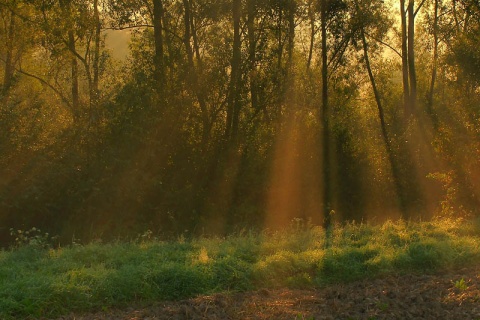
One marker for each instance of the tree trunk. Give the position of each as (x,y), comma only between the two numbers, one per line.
(193,73)
(9,67)
(233,111)
(71,45)
(237,12)
(386,140)
(96,57)
(159,70)
(196,46)
(74,72)
(311,16)
(327,190)
(411,58)
(188,36)
(280,38)
(434,65)
(252,47)
(291,37)
(406,86)
(455,15)
(168,45)
(289,74)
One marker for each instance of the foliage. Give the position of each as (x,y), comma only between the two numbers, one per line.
(98,148)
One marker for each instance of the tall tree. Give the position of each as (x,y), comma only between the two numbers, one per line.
(409,73)
(158,59)
(233,104)
(71,29)
(462,43)
(252,48)
(9,27)
(336,36)
(327,190)
(411,57)
(291,14)
(16,38)
(193,70)
(313,31)
(433,77)
(71,43)
(96,54)
(404,40)
(371,18)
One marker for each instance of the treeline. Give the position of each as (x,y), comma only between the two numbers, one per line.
(236,114)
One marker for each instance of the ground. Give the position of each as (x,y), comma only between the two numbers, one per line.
(448,295)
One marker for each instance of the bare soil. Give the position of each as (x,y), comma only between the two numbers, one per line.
(439,296)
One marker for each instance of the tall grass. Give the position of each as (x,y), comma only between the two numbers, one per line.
(37,282)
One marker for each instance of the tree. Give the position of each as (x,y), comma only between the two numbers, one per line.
(233,104)
(71,44)
(462,41)
(9,34)
(195,70)
(335,40)
(327,194)
(371,18)
(95,95)
(66,29)
(409,74)
(158,60)
(313,30)
(252,48)
(16,38)
(433,78)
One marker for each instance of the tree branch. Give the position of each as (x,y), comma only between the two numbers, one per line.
(44,82)
(129,27)
(385,44)
(419,7)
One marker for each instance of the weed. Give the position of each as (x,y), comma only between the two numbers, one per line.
(383,306)
(145,237)
(303,317)
(461,285)
(203,256)
(32,237)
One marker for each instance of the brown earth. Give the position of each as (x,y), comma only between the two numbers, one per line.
(440,296)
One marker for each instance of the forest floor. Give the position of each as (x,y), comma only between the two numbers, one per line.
(446,295)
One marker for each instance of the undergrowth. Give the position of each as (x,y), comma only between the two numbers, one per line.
(37,281)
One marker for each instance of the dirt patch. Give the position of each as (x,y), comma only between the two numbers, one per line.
(444,296)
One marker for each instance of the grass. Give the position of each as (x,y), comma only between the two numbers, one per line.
(37,282)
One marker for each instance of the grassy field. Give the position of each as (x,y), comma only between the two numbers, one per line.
(41,282)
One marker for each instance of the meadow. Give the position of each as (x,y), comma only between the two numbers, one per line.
(42,281)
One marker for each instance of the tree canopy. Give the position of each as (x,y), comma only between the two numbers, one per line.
(236,114)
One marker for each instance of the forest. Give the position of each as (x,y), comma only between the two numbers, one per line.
(228,115)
